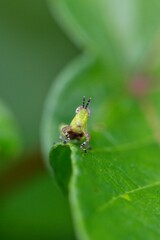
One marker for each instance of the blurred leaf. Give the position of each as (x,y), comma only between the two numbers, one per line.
(36,210)
(10,141)
(121,31)
(114,188)
(33,49)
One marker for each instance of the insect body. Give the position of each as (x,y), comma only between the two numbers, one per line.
(77,128)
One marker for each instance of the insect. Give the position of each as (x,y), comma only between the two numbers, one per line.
(77,128)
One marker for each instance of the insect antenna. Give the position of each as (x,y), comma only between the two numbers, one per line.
(83,101)
(87,103)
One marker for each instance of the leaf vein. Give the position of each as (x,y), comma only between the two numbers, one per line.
(104,206)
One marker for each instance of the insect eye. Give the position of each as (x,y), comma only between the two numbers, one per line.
(77,110)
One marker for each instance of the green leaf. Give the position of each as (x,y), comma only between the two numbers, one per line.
(62,176)
(114,188)
(10,141)
(122,32)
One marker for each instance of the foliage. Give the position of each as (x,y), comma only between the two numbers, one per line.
(114,188)
(10,141)
(33,50)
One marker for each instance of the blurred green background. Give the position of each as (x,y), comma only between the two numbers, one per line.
(33,50)
(121,42)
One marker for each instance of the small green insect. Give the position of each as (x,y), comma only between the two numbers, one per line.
(77,128)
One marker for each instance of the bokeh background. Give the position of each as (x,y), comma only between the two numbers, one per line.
(33,50)
(120,37)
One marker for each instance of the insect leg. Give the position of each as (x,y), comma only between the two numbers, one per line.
(84,144)
(65,132)
(67,138)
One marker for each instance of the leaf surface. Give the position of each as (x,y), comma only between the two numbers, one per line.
(114,189)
